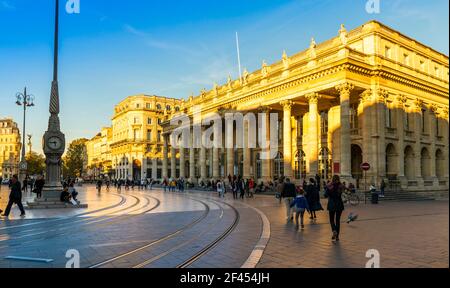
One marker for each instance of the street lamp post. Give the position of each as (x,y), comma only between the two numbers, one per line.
(27,101)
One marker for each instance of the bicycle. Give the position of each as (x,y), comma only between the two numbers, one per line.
(351,198)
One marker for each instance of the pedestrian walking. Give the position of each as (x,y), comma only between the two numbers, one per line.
(300,205)
(335,205)
(288,194)
(313,197)
(15,197)
(221,189)
(251,188)
(38,186)
(241,187)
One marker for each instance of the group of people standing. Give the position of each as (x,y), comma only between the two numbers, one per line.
(299,200)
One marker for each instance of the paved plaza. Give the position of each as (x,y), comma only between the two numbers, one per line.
(154,229)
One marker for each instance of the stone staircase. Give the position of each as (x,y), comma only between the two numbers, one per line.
(400,195)
(48,203)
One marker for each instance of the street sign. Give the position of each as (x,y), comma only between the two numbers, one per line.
(365,166)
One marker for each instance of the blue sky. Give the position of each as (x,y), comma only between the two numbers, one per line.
(113,49)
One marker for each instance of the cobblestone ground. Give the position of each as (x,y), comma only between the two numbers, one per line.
(166,229)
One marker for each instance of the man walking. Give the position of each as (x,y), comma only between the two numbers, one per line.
(15,197)
(288,196)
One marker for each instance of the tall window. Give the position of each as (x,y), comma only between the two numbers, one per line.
(388,117)
(324,123)
(325,163)
(423,120)
(407,122)
(279,166)
(149,135)
(300,165)
(438,132)
(258,166)
(406,59)
(149,121)
(159,136)
(299,127)
(387,52)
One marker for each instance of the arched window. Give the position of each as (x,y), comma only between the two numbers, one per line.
(258,166)
(300,165)
(177,109)
(279,166)
(325,163)
(168,108)
(158,107)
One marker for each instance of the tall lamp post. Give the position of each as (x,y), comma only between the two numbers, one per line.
(27,101)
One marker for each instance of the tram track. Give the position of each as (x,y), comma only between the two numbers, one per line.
(89,221)
(210,246)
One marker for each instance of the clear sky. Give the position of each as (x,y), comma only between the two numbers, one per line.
(114,49)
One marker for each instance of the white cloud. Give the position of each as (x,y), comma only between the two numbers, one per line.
(5,5)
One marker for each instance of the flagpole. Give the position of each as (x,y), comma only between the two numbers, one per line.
(239,56)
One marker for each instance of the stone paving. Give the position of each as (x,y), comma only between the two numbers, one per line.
(407,234)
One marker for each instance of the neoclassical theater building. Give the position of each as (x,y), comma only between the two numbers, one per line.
(370,95)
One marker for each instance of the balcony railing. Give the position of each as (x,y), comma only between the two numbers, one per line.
(409,134)
(354,131)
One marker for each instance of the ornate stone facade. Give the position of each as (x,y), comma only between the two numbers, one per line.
(10,147)
(368,95)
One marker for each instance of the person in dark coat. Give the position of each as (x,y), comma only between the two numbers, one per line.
(38,186)
(313,197)
(335,205)
(15,197)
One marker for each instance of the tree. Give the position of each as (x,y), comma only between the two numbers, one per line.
(36,163)
(74,159)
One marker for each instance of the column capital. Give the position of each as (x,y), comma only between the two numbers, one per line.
(418,105)
(264,109)
(444,113)
(313,98)
(287,104)
(345,88)
(366,96)
(382,95)
(400,101)
(433,108)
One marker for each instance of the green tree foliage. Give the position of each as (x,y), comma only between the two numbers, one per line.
(36,163)
(75,158)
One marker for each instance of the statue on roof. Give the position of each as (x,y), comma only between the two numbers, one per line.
(343,34)
(265,69)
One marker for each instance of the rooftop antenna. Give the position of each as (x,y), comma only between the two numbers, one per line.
(239,56)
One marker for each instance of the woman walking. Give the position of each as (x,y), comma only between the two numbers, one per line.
(313,197)
(335,206)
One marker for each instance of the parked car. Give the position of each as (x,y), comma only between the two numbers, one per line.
(5,181)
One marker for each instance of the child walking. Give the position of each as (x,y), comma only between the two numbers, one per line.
(300,205)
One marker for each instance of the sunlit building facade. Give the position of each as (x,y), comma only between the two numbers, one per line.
(10,147)
(132,147)
(370,95)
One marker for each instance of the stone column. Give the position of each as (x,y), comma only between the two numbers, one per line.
(203,174)
(144,168)
(366,131)
(381,97)
(344,91)
(266,163)
(182,162)
(313,134)
(287,139)
(173,163)
(400,106)
(216,164)
(165,172)
(433,117)
(445,134)
(192,160)
(154,168)
(246,152)
(417,108)
(230,150)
